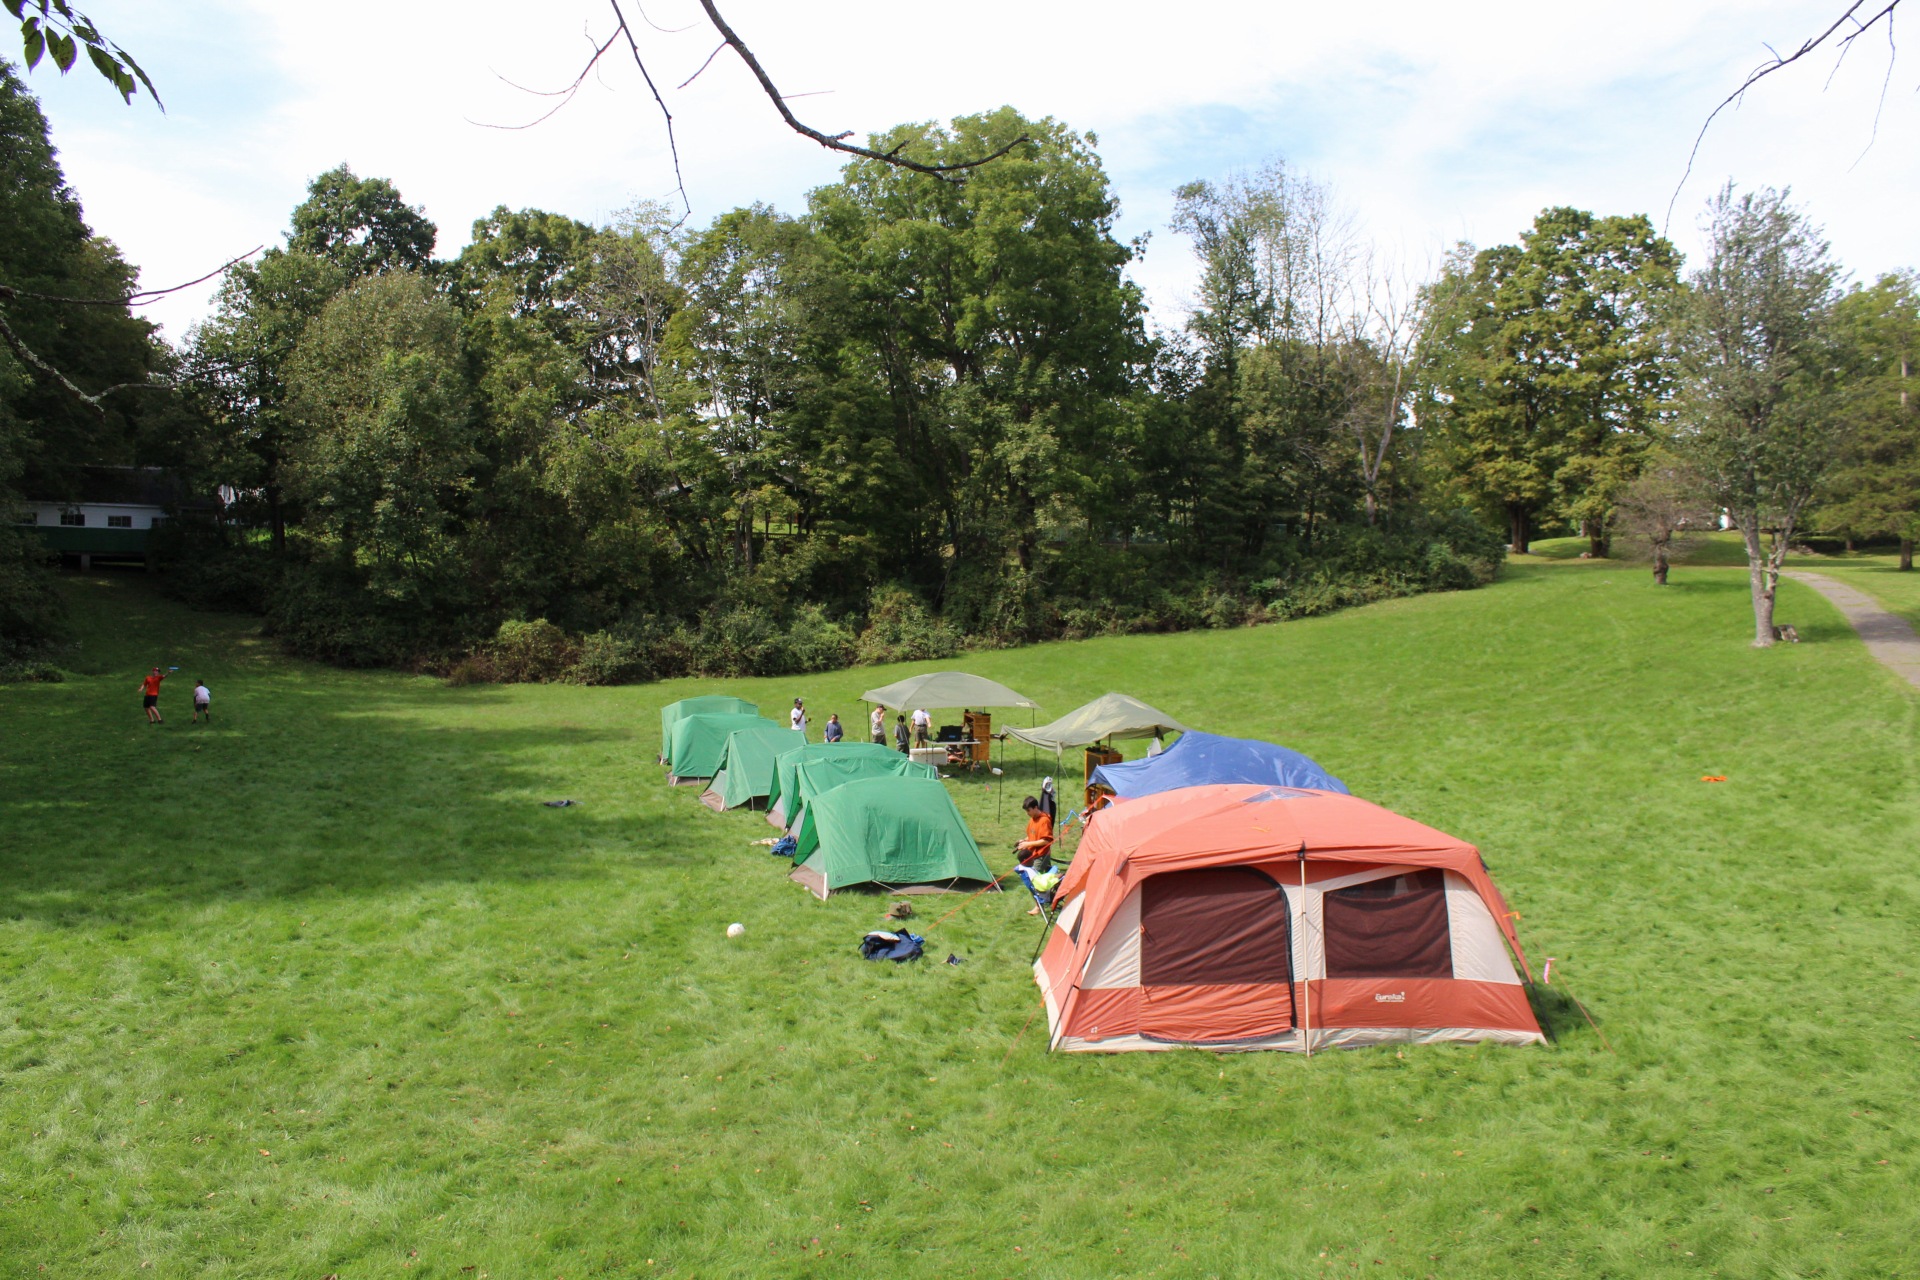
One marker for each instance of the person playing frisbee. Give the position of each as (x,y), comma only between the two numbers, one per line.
(150,695)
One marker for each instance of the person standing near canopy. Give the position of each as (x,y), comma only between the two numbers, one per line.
(922,727)
(798,717)
(878,723)
(834,732)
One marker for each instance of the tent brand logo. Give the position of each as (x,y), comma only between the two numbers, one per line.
(1390,997)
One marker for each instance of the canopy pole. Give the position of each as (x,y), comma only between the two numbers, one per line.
(1306,975)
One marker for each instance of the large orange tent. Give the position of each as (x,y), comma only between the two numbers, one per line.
(1259,917)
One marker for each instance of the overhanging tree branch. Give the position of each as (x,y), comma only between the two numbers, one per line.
(838,142)
(731,39)
(1778,62)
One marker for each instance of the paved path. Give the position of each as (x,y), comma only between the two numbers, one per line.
(1888,637)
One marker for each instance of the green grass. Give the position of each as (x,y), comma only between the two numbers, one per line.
(323,989)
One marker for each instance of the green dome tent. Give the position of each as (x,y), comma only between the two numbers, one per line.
(814,778)
(697,741)
(710,704)
(901,834)
(747,766)
(781,813)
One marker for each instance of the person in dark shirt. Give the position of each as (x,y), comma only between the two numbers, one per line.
(900,736)
(834,732)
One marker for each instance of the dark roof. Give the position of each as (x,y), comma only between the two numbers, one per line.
(131,486)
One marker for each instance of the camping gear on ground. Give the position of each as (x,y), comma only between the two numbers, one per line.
(747,766)
(784,847)
(900,911)
(901,834)
(699,740)
(674,712)
(1110,716)
(559,804)
(842,760)
(1250,917)
(1201,759)
(898,947)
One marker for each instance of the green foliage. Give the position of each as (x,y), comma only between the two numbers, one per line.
(1549,367)
(32,615)
(383,466)
(901,629)
(54,27)
(1875,488)
(535,652)
(362,224)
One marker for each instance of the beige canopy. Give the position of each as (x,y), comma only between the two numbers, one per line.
(945,689)
(1112,715)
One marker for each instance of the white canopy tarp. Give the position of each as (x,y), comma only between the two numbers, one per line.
(1112,715)
(945,689)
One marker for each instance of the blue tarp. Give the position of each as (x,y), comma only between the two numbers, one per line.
(1200,759)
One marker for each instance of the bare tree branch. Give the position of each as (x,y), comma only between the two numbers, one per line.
(838,142)
(672,145)
(135,299)
(729,38)
(32,360)
(703,66)
(1777,63)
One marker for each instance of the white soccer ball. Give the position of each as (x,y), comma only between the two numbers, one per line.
(735,929)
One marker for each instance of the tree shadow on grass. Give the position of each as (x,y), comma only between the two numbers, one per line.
(303,792)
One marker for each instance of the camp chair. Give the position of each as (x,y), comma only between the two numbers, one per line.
(1043,899)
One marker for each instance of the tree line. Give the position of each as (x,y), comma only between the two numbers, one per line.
(923,413)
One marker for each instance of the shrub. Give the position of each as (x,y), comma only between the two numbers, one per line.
(32,616)
(475,668)
(223,579)
(28,671)
(606,658)
(902,629)
(535,652)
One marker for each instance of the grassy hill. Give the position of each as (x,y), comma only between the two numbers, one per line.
(324,989)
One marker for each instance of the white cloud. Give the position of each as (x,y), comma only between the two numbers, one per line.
(1434,123)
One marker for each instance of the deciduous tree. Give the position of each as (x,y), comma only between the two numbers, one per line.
(1757,356)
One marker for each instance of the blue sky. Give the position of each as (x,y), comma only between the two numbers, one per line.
(1432,123)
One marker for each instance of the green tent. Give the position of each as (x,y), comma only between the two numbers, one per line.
(897,833)
(779,812)
(711,704)
(812,778)
(747,765)
(697,741)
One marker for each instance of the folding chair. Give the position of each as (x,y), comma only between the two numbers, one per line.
(1043,899)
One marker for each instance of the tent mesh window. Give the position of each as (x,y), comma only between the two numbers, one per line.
(1214,926)
(1394,927)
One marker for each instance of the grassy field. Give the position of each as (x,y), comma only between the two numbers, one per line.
(323,989)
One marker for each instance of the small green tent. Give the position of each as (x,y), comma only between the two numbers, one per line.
(694,749)
(814,777)
(902,834)
(779,812)
(710,704)
(747,766)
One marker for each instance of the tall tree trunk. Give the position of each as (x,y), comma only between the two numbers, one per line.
(1517,528)
(276,518)
(1596,539)
(1660,563)
(1761,588)
(1906,554)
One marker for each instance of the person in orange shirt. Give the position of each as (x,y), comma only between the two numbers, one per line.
(150,695)
(1035,848)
